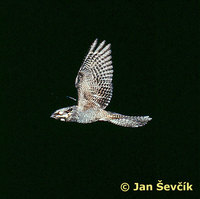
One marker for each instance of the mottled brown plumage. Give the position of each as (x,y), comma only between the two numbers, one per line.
(94,79)
(94,85)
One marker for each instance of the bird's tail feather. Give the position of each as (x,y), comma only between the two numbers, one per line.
(128,121)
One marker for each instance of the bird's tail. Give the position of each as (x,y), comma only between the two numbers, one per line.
(127,121)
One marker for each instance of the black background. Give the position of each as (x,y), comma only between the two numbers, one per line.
(154,50)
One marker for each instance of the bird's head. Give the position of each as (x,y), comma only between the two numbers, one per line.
(63,114)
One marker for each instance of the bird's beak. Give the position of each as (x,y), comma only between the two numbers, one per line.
(53,116)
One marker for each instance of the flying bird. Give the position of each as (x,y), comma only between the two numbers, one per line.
(94,86)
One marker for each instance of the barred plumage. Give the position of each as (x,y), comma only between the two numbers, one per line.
(94,79)
(128,121)
(94,85)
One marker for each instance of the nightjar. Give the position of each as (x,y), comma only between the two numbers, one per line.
(94,85)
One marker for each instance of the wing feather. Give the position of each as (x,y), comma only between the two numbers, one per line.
(94,79)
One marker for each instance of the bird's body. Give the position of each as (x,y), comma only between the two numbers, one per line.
(94,85)
(82,116)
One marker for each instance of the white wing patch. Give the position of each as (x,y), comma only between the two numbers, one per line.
(94,79)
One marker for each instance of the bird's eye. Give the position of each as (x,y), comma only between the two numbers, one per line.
(69,110)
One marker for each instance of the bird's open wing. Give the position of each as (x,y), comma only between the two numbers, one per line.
(94,79)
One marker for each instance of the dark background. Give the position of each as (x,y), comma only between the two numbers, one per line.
(154,50)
